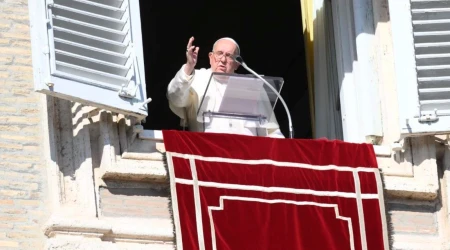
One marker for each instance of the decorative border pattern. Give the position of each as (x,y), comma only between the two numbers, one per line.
(196,184)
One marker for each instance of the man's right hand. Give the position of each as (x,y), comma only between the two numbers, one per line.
(191,56)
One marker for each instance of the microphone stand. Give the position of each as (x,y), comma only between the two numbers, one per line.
(239,60)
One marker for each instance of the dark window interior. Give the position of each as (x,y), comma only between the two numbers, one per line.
(269,34)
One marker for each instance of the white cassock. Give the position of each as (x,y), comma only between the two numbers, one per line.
(185,94)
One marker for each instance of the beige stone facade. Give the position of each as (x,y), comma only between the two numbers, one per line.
(74,177)
(23,175)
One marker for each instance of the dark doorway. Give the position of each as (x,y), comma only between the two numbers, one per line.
(269,35)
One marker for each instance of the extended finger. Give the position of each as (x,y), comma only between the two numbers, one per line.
(196,50)
(190,42)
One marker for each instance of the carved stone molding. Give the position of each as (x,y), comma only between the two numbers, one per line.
(412,173)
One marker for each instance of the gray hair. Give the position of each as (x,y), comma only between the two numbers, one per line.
(238,50)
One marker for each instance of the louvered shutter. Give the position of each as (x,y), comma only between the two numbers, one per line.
(431,27)
(94,52)
(421,39)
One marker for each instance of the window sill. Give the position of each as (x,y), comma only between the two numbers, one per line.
(113,229)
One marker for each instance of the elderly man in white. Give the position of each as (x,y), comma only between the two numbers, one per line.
(186,90)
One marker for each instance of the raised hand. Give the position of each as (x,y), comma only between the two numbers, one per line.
(191,56)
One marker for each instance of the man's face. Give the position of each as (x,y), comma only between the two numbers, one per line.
(219,58)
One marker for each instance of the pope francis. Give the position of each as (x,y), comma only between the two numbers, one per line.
(186,90)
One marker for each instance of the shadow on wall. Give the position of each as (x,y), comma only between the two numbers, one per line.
(78,144)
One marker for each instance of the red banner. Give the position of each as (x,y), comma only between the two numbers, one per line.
(239,192)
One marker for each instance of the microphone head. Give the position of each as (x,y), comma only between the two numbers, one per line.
(238,59)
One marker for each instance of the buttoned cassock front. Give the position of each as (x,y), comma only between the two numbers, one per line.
(185,94)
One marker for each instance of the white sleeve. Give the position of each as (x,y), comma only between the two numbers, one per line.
(178,89)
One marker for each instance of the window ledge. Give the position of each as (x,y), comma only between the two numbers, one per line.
(153,156)
(137,170)
(384,151)
(401,187)
(114,229)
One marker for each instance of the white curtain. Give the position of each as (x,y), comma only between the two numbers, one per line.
(328,121)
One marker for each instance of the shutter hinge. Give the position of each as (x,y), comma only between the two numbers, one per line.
(428,116)
(126,92)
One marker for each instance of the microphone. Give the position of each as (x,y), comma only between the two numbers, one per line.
(238,59)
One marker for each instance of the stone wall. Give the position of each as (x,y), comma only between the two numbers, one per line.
(23,178)
(145,201)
